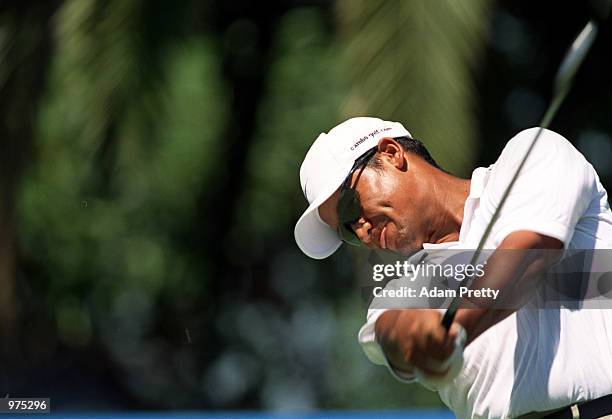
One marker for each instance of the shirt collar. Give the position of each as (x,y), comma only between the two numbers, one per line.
(478,182)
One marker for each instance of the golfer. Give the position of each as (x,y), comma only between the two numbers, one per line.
(368,182)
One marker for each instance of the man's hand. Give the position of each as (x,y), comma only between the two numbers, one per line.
(415,339)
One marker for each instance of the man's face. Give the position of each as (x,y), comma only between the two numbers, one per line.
(393,207)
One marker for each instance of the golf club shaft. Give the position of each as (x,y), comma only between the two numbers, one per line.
(563,79)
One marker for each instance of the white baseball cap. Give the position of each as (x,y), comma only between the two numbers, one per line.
(326,165)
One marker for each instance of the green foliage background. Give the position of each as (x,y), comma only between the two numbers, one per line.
(150,186)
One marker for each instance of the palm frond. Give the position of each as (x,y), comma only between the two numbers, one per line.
(413,61)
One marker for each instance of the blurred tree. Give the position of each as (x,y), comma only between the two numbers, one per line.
(26,48)
(245,31)
(415,62)
(90,230)
(127,218)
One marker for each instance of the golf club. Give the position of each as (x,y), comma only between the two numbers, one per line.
(563,80)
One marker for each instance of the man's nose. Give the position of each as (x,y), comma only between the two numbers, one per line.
(363,230)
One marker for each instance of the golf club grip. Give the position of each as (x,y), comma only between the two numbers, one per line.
(447,319)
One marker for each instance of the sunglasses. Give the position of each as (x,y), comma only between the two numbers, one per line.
(349,204)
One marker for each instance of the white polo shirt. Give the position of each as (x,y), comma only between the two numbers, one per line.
(534,360)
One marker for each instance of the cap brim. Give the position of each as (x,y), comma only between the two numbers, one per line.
(315,238)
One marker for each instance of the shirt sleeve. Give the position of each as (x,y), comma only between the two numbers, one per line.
(551,193)
(372,349)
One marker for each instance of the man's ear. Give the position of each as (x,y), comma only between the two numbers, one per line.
(391,151)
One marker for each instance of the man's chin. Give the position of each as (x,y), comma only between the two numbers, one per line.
(402,245)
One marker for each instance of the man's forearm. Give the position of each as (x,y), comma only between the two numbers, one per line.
(408,337)
(515,269)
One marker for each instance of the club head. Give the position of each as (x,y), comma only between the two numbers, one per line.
(574,57)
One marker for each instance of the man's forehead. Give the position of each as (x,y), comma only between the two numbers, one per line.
(369,177)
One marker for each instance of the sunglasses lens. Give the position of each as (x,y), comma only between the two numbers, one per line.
(347,235)
(349,206)
(349,211)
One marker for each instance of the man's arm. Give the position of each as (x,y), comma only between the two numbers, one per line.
(410,337)
(515,269)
